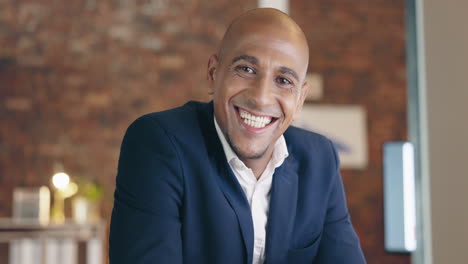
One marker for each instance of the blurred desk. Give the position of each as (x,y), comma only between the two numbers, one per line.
(52,243)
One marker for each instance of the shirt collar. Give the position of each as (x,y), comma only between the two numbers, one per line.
(280,151)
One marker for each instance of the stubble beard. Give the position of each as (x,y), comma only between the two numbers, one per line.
(243,155)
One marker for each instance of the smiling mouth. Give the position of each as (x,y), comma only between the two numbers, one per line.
(254,120)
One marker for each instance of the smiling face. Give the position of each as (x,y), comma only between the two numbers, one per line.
(258,86)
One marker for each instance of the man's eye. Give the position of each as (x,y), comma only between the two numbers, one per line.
(282,80)
(246,69)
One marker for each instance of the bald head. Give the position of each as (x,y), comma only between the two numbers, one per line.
(263,21)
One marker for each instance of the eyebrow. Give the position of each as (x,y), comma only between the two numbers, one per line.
(286,70)
(247,58)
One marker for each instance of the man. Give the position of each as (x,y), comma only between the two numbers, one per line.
(230,181)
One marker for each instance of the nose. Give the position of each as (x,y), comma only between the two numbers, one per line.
(261,92)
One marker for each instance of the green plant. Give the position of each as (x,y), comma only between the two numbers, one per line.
(91,190)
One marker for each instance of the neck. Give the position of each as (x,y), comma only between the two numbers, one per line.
(258,165)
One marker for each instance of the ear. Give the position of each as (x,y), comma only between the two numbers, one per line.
(211,71)
(304,92)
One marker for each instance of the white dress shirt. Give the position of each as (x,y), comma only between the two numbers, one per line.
(256,191)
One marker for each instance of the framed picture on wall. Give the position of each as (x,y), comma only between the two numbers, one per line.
(345,125)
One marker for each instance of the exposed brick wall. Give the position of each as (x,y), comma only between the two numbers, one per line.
(359,48)
(75,73)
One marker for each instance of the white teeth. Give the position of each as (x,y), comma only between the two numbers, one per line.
(254,121)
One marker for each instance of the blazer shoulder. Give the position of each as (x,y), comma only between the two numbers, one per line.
(178,120)
(307,145)
(300,138)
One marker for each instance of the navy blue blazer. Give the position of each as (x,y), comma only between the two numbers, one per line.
(177,200)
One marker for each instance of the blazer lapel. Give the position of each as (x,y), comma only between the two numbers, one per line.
(227,180)
(283,203)
(238,201)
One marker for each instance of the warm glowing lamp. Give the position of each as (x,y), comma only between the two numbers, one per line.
(64,188)
(60,180)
